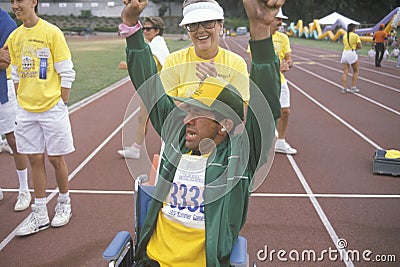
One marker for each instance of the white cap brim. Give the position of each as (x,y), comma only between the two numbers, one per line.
(280,14)
(281,17)
(202,11)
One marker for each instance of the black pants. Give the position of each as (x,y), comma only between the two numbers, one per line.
(379,49)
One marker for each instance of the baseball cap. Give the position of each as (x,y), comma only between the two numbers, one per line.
(218,96)
(201,11)
(280,14)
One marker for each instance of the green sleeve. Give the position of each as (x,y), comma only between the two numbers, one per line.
(265,74)
(143,72)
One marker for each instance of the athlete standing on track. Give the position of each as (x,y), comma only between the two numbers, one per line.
(43,73)
(351,42)
(284,52)
(199,226)
(8,109)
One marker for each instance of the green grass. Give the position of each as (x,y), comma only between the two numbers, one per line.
(96,64)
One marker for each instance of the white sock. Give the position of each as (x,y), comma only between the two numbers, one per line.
(23,180)
(64,195)
(41,202)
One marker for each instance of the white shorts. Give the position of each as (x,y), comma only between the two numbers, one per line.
(8,111)
(349,57)
(41,132)
(285,95)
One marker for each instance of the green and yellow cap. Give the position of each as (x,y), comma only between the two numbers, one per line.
(217,95)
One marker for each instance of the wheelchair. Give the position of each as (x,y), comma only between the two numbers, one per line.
(121,250)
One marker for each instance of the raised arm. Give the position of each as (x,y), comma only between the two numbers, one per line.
(265,73)
(141,65)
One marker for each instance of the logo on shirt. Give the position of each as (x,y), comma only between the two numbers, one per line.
(27,63)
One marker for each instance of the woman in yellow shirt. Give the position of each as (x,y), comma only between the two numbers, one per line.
(351,42)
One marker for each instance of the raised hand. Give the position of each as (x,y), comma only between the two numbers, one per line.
(261,14)
(132,10)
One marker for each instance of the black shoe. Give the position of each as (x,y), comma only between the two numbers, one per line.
(378,65)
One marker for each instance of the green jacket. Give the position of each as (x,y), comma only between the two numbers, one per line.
(230,167)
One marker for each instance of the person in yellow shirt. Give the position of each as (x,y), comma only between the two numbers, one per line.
(188,67)
(351,42)
(43,73)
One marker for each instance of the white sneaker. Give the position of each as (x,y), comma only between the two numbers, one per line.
(130,152)
(354,90)
(281,146)
(1,194)
(63,212)
(23,201)
(6,147)
(37,221)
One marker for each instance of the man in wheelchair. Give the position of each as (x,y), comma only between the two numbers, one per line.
(207,168)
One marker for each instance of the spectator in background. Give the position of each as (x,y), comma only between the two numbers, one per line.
(153,30)
(379,43)
(8,110)
(43,73)
(351,42)
(284,52)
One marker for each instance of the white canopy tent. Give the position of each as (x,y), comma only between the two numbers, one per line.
(334,17)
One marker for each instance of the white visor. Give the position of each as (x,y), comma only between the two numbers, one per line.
(202,11)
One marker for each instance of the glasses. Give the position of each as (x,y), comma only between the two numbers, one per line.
(148,28)
(209,24)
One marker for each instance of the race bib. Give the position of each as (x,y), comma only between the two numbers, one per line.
(185,202)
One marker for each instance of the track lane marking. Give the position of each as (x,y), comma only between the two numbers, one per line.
(8,239)
(269,195)
(361,68)
(358,94)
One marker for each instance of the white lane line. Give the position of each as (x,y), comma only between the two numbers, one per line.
(72,175)
(364,137)
(77,106)
(328,57)
(269,195)
(380,85)
(359,95)
(294,195)
(226,44)
(319,210)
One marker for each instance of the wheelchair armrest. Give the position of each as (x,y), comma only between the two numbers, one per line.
(239,256)
(117,246)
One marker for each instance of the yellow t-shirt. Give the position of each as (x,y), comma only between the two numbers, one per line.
(354,40)
(281,46)
(179,237)
(34,51)
(179,72)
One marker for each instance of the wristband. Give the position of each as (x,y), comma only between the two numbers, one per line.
(127,31)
